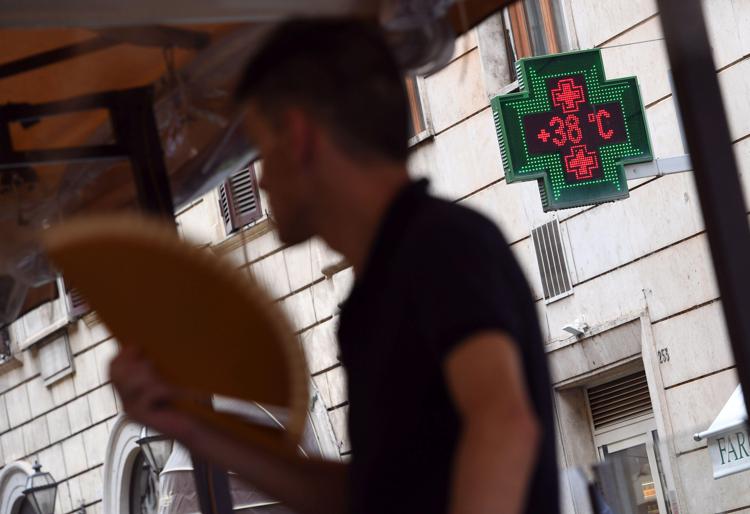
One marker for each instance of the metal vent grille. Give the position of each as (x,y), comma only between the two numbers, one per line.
(550,256)
(620,400)
(238,199)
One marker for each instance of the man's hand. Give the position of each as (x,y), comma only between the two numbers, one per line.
(146,398)
(306,485)
(500,433)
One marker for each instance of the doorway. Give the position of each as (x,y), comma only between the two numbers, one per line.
(630,476)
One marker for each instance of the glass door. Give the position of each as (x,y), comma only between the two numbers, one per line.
(630,479)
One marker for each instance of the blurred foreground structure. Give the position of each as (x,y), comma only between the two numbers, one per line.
(650,364)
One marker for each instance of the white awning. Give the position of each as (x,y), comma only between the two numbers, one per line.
(728,439)
(177,492)
(178,495)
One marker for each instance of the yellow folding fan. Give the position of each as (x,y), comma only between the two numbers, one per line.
(207,327)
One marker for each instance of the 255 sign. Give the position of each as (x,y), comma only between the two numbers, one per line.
(571,129)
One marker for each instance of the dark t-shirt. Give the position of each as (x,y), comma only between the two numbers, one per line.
(437,274)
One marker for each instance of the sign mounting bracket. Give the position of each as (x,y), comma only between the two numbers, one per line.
(659,167)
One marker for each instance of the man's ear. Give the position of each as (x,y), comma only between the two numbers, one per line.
(302,136)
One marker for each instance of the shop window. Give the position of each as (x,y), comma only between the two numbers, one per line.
(26,507)
(239,199)
(417,123)
(144,487)
(537,27)
(550,257)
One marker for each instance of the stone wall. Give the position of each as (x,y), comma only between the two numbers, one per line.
(65,424)
(645,259)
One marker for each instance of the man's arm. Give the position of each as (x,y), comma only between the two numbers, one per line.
(308,486)
(500,433)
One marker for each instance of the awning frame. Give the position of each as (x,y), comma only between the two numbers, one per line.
(136,139)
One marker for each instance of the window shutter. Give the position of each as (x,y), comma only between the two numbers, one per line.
(76,302)
(550,256)
(239,200)
(619,400)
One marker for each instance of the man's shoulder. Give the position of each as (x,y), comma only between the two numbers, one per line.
(445,222)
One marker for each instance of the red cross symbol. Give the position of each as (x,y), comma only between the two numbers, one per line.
(568,94)
(581,162)
(543,135)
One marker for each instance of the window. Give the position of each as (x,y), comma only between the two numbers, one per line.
(144,487)
(12,483)
(537,28)
(239,200)
(55,358)
(417,123)
(26,507)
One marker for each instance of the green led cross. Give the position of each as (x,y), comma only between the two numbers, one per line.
(571,129)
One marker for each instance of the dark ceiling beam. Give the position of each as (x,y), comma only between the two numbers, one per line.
(160,36)
(63,53)
(95,13)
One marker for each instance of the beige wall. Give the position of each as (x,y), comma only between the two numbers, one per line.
(64,425)
(647,254)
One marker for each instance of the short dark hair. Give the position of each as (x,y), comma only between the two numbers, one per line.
(342,72)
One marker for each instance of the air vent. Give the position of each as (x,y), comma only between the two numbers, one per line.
(620,400)
(550,256)
(238,199)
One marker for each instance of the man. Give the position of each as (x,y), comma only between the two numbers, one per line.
(449,395)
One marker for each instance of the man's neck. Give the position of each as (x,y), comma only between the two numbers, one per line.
(353,222)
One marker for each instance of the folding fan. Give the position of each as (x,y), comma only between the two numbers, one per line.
(207,327)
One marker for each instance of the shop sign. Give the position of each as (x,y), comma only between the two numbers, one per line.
(728,441)
(730,451)
(571,129)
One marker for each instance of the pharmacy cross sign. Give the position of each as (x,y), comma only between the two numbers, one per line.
(571,129)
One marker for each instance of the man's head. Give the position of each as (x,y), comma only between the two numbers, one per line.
(320,93)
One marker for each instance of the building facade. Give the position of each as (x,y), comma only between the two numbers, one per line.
(653,365)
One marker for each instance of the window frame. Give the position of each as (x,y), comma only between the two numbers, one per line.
(62,339)
(515,21)
(426,129)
